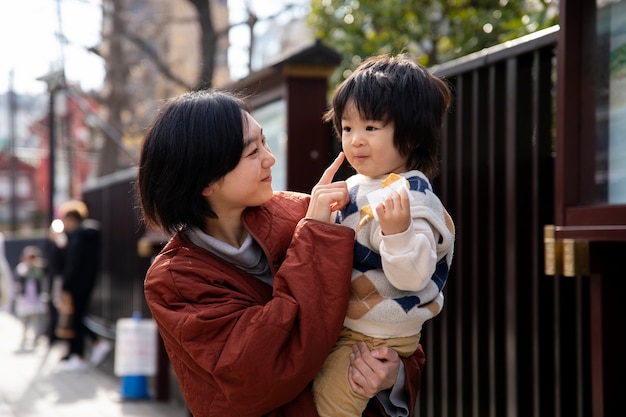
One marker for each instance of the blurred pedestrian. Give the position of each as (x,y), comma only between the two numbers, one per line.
(81,264)
(55,264)
(30,297)
(6,279)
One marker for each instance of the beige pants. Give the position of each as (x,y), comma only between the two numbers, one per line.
(332,392)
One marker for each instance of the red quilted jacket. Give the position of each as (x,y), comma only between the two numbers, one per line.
(240,347)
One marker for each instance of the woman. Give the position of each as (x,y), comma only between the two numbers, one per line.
(251,291)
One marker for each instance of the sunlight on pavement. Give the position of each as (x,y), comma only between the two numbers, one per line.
(32,384)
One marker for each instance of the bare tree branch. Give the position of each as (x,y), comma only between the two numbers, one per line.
(151,53)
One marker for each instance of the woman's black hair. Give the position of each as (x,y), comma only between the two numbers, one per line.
(193,141)
(398,90)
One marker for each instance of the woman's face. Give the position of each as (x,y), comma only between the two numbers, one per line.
(250,183)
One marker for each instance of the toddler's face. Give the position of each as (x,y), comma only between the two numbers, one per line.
(368,145)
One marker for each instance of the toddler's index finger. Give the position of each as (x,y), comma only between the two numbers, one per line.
(329,173)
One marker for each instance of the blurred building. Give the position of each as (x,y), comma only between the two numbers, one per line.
(280,39)
(23,177)
(158,56)
(20,155)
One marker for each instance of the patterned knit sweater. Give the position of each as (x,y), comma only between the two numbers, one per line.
(397,302)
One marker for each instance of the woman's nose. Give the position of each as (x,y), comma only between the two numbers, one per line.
(268,159)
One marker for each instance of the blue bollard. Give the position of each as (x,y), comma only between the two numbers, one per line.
(134,387)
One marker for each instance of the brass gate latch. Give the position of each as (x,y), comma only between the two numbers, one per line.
(567,257)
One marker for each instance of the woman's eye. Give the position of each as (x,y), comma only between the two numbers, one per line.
(252,151)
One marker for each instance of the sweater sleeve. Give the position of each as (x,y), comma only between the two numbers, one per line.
(409,258)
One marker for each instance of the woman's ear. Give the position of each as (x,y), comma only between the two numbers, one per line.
(208,190)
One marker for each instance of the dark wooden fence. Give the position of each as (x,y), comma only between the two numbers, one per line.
(119,294)
(511,341)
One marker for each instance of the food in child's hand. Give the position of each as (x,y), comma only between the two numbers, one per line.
(391,178)
(389,184)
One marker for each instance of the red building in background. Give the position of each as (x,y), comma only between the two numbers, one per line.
(23,179)
(75,151)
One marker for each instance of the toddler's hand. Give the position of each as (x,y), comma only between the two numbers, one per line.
(394,214)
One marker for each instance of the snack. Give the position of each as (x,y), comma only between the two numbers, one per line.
(377,197)
(391,178)
(367,211)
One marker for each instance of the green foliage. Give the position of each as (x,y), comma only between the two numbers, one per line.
(431,31)
(618,61)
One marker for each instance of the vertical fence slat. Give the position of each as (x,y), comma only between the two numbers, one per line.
(474,237)
(459,283)
(535,193)
(492,275)
(510,240)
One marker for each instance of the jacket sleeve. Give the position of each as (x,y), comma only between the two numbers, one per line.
(253,353)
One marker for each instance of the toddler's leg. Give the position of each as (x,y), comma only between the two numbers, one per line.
(332,392)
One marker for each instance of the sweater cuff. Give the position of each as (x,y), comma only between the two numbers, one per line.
(399,243)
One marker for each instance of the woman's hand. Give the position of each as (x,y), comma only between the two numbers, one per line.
(372,371)
(328,196)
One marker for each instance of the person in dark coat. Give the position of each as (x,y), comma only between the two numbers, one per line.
(80,271)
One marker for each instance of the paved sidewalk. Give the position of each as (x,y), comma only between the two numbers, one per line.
(33,385)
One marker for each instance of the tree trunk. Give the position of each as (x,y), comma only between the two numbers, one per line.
(208,41)
(115,97)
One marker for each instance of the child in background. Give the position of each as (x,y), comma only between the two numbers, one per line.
(30,303)
(389,115)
